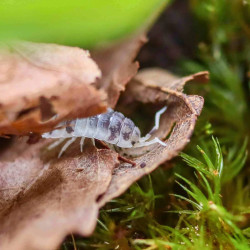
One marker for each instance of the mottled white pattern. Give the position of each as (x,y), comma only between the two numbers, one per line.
(111,127)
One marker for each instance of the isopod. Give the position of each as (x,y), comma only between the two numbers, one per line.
(111,127)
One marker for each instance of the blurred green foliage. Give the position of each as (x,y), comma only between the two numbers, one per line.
(224,50)
(81,22)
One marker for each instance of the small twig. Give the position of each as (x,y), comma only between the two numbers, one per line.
(121,158)
(74,242)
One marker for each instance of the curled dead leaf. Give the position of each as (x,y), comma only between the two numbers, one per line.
(118,66)
(48,198)
(177,124)
(43,199)
(38,81)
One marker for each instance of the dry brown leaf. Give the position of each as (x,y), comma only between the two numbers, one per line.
(38,81)
(43,198)
(118,66)
(163,78)
(156,85)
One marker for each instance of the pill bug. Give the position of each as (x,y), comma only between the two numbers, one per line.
(111,127)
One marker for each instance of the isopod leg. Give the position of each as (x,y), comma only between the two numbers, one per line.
(56,143)
(144,138)
(157,124)
(147,143)
(157,119)
(81,143)
(66,145)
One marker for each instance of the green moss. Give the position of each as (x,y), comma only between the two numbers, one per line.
(203,202)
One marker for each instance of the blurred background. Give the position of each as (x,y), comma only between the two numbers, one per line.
(84,23)
(171,208)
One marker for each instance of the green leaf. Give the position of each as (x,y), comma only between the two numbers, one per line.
(195,163)
(219,158)
(196,193)
(235,165)
(198,206)
(88,23)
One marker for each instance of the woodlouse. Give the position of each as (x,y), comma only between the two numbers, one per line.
(112,127)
